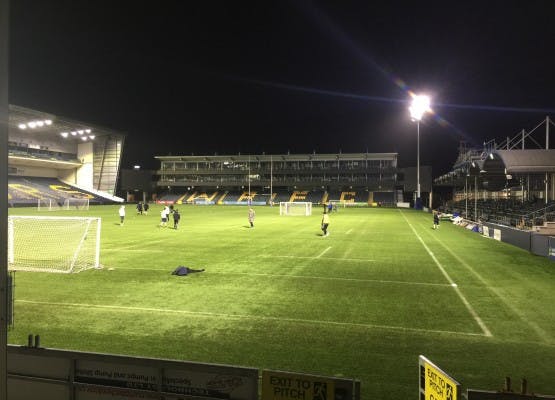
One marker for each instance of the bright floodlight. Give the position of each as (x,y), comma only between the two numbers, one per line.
(64,134)
(22,126)
(136,167)
(420,105)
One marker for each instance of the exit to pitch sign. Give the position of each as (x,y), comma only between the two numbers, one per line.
(436,384)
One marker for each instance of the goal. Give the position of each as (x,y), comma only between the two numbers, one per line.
(48,205)
(295,208)
(76,204)
(53,244)
(338,203)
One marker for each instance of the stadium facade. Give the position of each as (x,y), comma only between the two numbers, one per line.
(355,177)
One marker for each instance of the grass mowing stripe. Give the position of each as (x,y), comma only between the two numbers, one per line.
(245,316)
(308,277)
(453,284)
(544,336)
(349,231)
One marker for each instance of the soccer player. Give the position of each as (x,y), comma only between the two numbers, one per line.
(139,207)
(252,215)
(164,216)
(436,219)
(145,207)
(176,218)
(121,214)
(325,223)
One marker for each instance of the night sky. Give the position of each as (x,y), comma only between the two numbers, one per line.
(205,77)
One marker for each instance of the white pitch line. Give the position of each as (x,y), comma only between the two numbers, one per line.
(539,331)
(455,287)
(324,252)
(349,231)
(333,278)
(327,278)
(135,250)
(325,258)
(253,317)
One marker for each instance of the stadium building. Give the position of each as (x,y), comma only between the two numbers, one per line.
(55,159)
(351,179)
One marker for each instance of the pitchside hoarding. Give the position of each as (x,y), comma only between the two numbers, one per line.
(278,385)
(49,374)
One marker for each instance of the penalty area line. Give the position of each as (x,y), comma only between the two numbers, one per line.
(324,278)
(324,252)
(251,317)
(325,258)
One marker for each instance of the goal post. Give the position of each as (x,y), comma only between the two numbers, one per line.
(295,208)
(53,244)
(338,203)
(76,204)
(47,204)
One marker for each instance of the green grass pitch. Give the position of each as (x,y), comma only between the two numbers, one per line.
(362,303)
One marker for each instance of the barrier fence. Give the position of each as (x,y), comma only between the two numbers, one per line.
(51,374)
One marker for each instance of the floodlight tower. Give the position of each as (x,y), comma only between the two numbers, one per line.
(420,105)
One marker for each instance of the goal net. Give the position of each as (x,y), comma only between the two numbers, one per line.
(53,244)
(76,204)
(48,205)
(338,203)
(295,208)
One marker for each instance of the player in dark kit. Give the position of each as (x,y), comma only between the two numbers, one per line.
(176,218)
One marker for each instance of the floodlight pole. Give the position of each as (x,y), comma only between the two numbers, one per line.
(475,199)
(420,105)
(466,196)
(417,159)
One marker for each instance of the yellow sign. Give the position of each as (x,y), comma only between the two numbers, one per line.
(284,385)
(435,383)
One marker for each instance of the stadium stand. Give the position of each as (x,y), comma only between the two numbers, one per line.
(26,191)
(288,177)
(509,212)
(59,158)
(511,183)
(281,196)
(315,196)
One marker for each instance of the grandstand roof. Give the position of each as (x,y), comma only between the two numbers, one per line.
(282,157)
(513,161)
(21,116)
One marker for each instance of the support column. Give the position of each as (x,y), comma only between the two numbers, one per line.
(4,53)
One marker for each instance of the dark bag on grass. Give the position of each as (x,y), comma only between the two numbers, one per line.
(180,271)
